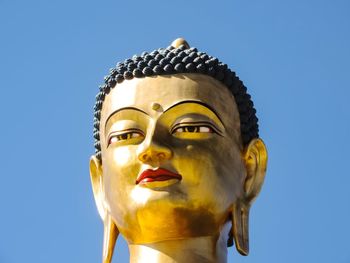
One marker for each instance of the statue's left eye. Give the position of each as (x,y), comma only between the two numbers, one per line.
(194,129)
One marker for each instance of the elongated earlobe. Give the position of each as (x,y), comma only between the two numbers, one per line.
(109,239)
(240,228)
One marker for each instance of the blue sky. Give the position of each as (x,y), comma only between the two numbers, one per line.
(293,56)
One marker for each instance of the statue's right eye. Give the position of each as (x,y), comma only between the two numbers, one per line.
(125,137)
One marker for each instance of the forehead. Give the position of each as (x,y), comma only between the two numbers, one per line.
(143,93)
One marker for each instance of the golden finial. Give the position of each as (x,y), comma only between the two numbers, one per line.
(180,41)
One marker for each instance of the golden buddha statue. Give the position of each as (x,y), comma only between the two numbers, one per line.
(178,158)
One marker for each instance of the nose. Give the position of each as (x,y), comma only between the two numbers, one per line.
(154,153)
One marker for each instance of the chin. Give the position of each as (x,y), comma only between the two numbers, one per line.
(167,218)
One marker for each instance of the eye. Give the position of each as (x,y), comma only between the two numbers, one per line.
(193,129)
(125,136)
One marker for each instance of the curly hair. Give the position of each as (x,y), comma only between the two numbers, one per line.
(169,61)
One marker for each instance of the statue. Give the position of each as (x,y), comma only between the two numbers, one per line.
(178,158)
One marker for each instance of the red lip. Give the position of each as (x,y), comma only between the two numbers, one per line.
(159,174)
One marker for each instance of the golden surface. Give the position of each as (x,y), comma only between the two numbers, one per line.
(189,125)
(180,41)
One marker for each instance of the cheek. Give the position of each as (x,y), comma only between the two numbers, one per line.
(217,155)
(195,163)
(120,161)
(231,169)
(121,156)
(120,169)
(213,167)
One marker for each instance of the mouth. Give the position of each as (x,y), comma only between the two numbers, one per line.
(158,175)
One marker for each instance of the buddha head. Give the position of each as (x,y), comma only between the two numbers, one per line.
(178,153)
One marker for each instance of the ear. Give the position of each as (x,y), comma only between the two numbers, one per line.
(110,229)
(255,159)
(97,185)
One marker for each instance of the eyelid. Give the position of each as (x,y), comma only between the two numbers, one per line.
(116,133)
(199,123)
(123,125)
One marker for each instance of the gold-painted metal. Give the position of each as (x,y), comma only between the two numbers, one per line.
(110,236)
(196,135)
(180,41)
(156,106)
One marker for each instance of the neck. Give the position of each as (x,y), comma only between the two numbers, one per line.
(200,249)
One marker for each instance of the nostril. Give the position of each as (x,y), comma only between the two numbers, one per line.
(161,156)
(144,157)
(154,155)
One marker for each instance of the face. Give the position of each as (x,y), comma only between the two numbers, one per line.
(171,157)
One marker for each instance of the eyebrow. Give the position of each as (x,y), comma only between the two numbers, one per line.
(121,109)
(196,102)
(173,106)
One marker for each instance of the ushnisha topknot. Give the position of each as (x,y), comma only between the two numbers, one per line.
(179,58)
